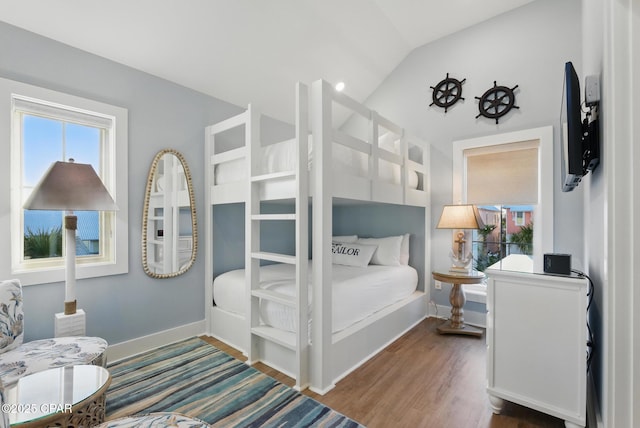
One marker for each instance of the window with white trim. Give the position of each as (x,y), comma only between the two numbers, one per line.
(48,126)
(506,171)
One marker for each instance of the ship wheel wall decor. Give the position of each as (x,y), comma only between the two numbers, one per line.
(447,92)
(496,102)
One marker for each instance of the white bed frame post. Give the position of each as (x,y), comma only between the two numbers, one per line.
(321,113)
(208,228)
(374,164)
(302,236)
(404,170)
(252,231)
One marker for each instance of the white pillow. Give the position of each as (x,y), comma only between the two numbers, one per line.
(404,250)
(351,239)
(388,251)
(348,254)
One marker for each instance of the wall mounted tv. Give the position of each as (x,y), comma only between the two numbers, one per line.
(580,134)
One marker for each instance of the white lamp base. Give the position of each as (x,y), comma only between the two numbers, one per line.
(70,325)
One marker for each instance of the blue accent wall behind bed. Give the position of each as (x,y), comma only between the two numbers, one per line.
(364,219)
(380,220)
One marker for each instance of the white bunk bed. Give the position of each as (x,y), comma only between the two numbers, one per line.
(366,169)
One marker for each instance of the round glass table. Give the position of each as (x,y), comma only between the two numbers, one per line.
(63,396)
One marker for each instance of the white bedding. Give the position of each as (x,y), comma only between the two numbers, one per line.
(282,157)
(357,292)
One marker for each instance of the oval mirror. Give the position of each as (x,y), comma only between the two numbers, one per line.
(169,232)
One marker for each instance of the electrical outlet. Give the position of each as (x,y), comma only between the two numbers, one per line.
(438,285)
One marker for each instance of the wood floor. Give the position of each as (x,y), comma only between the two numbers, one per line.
(423,379)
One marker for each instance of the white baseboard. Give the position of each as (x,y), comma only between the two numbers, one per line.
(478,319)
(138,345)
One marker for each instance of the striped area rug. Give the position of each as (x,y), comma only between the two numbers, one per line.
(195,378)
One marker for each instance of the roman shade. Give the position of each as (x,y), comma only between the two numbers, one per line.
(502,174)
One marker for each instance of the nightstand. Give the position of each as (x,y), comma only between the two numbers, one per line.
(457,299)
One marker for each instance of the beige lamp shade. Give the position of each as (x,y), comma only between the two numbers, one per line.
(460,217)
(70,186)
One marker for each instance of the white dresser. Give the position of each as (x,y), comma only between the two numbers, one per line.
(537,343)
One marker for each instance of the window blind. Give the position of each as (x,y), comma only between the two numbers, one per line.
(503,174)
(60,112)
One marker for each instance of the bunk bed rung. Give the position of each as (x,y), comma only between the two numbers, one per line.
(274,257)
(274,217)
(273,176)
(351,142)
(351,104)
(273,296)
(387,124)
(388,156)
(232,122)
(286,339)
(229,155)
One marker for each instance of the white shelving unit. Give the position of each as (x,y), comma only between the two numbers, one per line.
(537,343)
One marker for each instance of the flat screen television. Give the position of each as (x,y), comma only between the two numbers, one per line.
(580,145)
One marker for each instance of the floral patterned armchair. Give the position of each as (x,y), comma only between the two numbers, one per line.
(19,359)
(4,416)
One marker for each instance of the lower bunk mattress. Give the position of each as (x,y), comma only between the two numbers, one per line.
(358,292)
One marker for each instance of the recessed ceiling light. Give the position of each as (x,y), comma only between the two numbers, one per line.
(339,86)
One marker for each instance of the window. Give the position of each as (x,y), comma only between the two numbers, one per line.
(518,218)
(45,127)
(506,240)
(510,177)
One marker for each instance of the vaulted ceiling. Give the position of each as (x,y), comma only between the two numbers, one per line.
(253,51)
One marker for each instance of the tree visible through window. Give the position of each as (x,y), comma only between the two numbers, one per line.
(508,231)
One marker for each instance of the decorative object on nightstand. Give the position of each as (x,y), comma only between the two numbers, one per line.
(460,217)
(456,324)
(69,187)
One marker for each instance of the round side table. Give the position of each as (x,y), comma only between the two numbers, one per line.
(457,299)
(63,396)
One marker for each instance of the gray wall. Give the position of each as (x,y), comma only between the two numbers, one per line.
(526,47)
(161,115)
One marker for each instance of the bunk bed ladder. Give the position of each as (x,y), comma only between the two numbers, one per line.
(298,342)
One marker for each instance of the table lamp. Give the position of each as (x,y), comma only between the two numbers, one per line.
(460,217)
(69,187)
